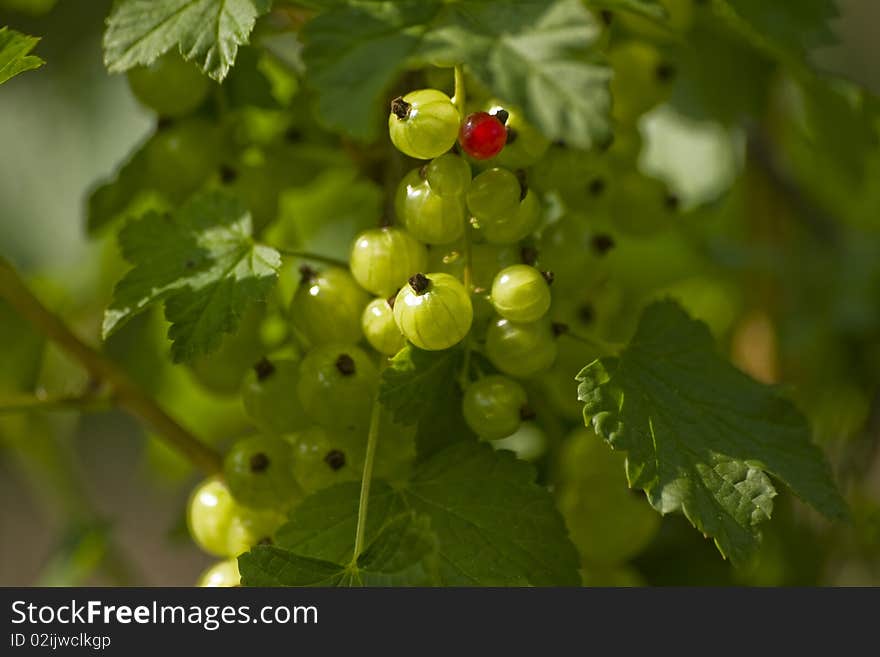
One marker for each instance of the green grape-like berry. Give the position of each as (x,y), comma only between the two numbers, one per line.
(605,520)
(433,312)
(576,249)
(223,370)
(521,350)
(259,472)
(430,200)
(528,443)
(494,406)
(221,575)
(323,457)
(327,306)
(181,157)
(336,386)
(423,124)
(170,85)
(496,192)
(641,79)
(269,396)
(448,175)
(382,259)
(505,209)
(509,229)
(380,329)
(221,526)
(521,293)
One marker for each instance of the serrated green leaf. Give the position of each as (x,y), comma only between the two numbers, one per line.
(494,525)
(403,553)
(413,378)
(442,423)
(533,54)
(208,32)
(14,57)
(702,437)
(353,53)
(202,262)
(536,56)
(796,26)
(783,31)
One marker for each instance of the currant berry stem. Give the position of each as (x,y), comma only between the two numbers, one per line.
(366,480)
(458,97)
(316,257)
(124,391)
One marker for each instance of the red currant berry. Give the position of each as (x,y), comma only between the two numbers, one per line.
(482,135)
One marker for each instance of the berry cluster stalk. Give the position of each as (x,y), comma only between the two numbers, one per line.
(125,392)
(366,479)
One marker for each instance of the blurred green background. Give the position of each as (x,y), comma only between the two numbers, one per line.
(74,491)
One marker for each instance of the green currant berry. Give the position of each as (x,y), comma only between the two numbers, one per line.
(327,306)
(581,179)
(494,193)
(529,442)
(170,85)
(323,457)
(493,407)
(521,350)
(250,527)
(258,186)
(605,520)
(380,329)
(222,574)
(258,471)
(337,384)
(423,124)
(269,396)
(521,293)
(487,259)
(222,371)
(577,251)
(428,216)
(222,527)
(434,312)
(382,259)
(511,228)
(641,79)
(641,206)
(182,157)
(448,175)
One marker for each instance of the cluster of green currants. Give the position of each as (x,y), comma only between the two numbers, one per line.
(472,232)
(312,414)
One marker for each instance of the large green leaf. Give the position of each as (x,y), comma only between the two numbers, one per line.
(702,437)
(208,32)
(414,377)
(402,554)
(14,57)
(353,54)
(794,26)
(494,525)
(536,55)
(202,262)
